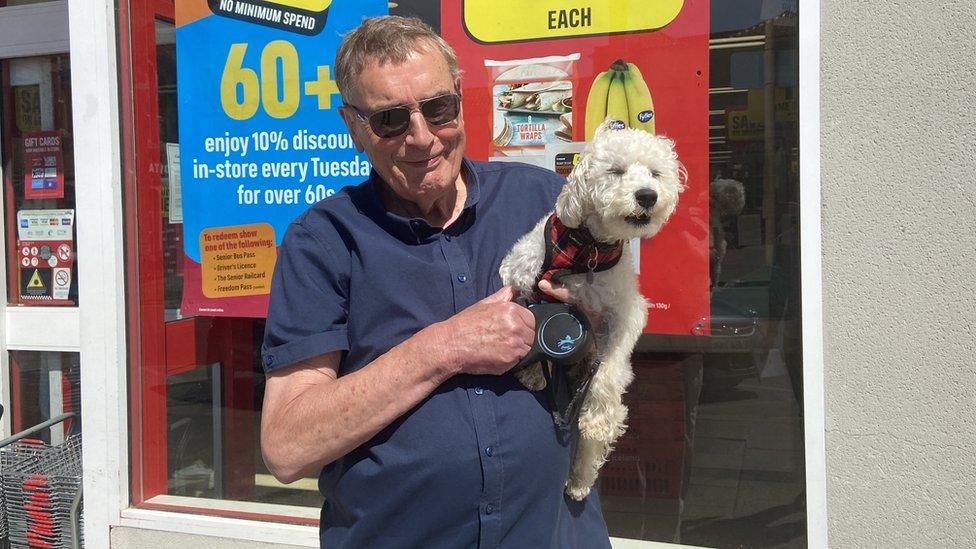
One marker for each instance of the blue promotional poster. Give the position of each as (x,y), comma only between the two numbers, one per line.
(261,138)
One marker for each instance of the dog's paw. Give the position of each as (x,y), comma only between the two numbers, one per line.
(576,490)
(531,377)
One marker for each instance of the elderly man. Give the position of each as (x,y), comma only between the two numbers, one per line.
(390,339)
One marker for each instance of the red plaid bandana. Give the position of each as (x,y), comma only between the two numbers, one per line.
(573,251)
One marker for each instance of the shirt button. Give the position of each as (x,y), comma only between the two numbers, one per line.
(462,278)
(489,509)
(269,360)
(489,451)
(447,238)
(479,391)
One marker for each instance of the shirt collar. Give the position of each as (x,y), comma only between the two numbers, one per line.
(417,230)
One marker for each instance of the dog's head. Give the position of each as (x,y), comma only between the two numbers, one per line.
(625,185)
(726,197)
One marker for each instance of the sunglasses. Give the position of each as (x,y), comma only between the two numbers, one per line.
(394,121)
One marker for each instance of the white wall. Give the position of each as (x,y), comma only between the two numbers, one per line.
(899,233)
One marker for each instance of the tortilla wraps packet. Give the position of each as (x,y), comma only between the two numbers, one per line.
(532,102)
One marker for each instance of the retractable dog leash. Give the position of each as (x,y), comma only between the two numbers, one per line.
(563,338)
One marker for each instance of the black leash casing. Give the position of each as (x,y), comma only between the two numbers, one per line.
(563,339)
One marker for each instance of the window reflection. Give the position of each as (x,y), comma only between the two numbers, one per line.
(714,453)
(37,157)
(44,385)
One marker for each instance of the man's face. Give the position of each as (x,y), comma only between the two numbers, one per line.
(424,162)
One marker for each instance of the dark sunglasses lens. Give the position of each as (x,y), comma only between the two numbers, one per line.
(391,122)
(440,110)
(395,121)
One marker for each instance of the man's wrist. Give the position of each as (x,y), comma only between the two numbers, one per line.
(432,348)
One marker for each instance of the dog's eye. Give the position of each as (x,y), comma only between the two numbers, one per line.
(616,171)
(655,174)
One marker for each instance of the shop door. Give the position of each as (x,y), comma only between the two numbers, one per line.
(193,427)
(39,332)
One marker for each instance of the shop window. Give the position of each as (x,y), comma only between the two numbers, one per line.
(6,3)
(714,454)
(38,174)
(44,385)
(196,422)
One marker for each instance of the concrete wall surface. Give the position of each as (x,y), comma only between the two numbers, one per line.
(123,537)
(898,162)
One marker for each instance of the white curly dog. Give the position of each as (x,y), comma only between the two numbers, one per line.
(625,186)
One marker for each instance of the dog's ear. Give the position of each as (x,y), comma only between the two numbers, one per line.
(571,202)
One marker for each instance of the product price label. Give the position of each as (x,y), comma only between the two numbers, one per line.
(261,138)
(491,21)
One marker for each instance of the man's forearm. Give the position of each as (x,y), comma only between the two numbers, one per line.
(312,417)
(316,421)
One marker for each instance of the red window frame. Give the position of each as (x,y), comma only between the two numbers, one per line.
(159,349)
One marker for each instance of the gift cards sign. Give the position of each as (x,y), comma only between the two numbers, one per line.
(43,165)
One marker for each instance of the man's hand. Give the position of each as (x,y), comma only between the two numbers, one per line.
(488,337)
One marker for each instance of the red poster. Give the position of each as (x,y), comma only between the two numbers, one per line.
(43,165)
(527,74)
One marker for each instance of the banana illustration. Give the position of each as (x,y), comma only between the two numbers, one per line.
(596,102)
(640,106)
(617,101)
(621,94)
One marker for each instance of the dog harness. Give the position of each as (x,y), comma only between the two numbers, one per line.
(573,251)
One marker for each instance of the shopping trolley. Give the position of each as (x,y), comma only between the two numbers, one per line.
(40,501)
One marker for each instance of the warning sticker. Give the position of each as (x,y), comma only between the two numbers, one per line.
(35,283)
(62,283)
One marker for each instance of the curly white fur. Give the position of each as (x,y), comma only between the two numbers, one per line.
(601,194)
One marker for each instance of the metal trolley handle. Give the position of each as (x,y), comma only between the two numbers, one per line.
(37,428)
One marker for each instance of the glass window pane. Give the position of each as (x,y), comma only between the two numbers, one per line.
(714,452)
(200,404)
(44,385)
(24,2)
(39,188)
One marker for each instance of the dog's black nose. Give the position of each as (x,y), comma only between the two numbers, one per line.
(646,197)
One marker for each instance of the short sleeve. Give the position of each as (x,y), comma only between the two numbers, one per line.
(308,306)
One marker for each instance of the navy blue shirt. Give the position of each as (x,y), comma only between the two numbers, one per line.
(479,462)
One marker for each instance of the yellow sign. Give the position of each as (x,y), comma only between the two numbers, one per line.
(742,126)
(515,20)
(307,5)
(748,124)
(35,282)
(238,260)
(785,104)
(27,108)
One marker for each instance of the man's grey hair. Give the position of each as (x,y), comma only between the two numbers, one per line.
(387,39)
